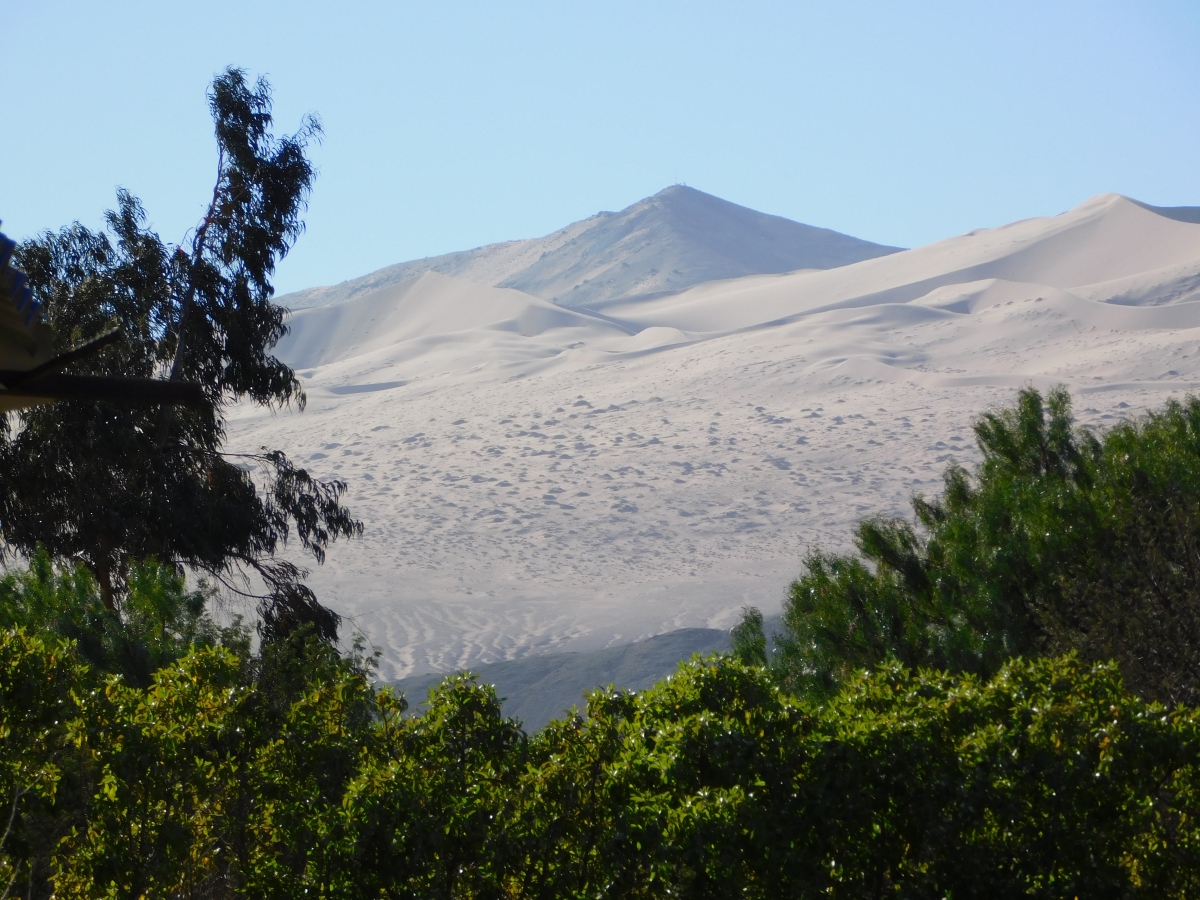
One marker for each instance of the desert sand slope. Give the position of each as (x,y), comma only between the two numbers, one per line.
(433,323)
(533,478)
(673,240)
(1107,239)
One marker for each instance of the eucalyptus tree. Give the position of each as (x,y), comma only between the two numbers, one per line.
(108,485)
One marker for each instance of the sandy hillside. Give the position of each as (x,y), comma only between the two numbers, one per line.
(533,477)
(677,238)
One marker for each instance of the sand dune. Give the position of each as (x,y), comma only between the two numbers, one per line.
(536,478)
(1107,239)
(675,239)
(431,323)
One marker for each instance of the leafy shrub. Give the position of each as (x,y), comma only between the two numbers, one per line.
(1047,780)
(158,621)
(1059,541)
(37,678)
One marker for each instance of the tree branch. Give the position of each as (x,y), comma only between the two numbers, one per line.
(167,413)
(18,793)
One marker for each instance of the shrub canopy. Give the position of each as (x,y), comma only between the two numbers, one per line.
(1047,780)
(1059,540)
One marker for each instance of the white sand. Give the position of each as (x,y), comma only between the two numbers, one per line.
(673,240)
(533,477)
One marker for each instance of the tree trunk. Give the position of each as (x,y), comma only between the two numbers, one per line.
(167,413)
(104,578)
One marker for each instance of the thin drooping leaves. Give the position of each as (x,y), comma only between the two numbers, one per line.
(109,485)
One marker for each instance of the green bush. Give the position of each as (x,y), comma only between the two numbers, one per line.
(1058,541)
(1047,780)
(38,771)
(157,622)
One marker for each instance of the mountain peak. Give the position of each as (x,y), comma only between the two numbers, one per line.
(675,191)
(667,242)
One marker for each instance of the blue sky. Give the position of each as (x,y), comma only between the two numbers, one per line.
(450,125)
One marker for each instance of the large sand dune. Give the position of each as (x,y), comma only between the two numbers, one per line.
(673,240)
(533,477)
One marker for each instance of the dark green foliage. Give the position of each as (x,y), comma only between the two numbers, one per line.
(1048,780)
(109,485)
(225,321)
(159,622)
(748,638)
(1058,541)
(428,812)
(39,774)
(1127,563)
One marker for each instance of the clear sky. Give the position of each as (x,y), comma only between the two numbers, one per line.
(450,125)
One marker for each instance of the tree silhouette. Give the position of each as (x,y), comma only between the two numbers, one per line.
(108,485)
